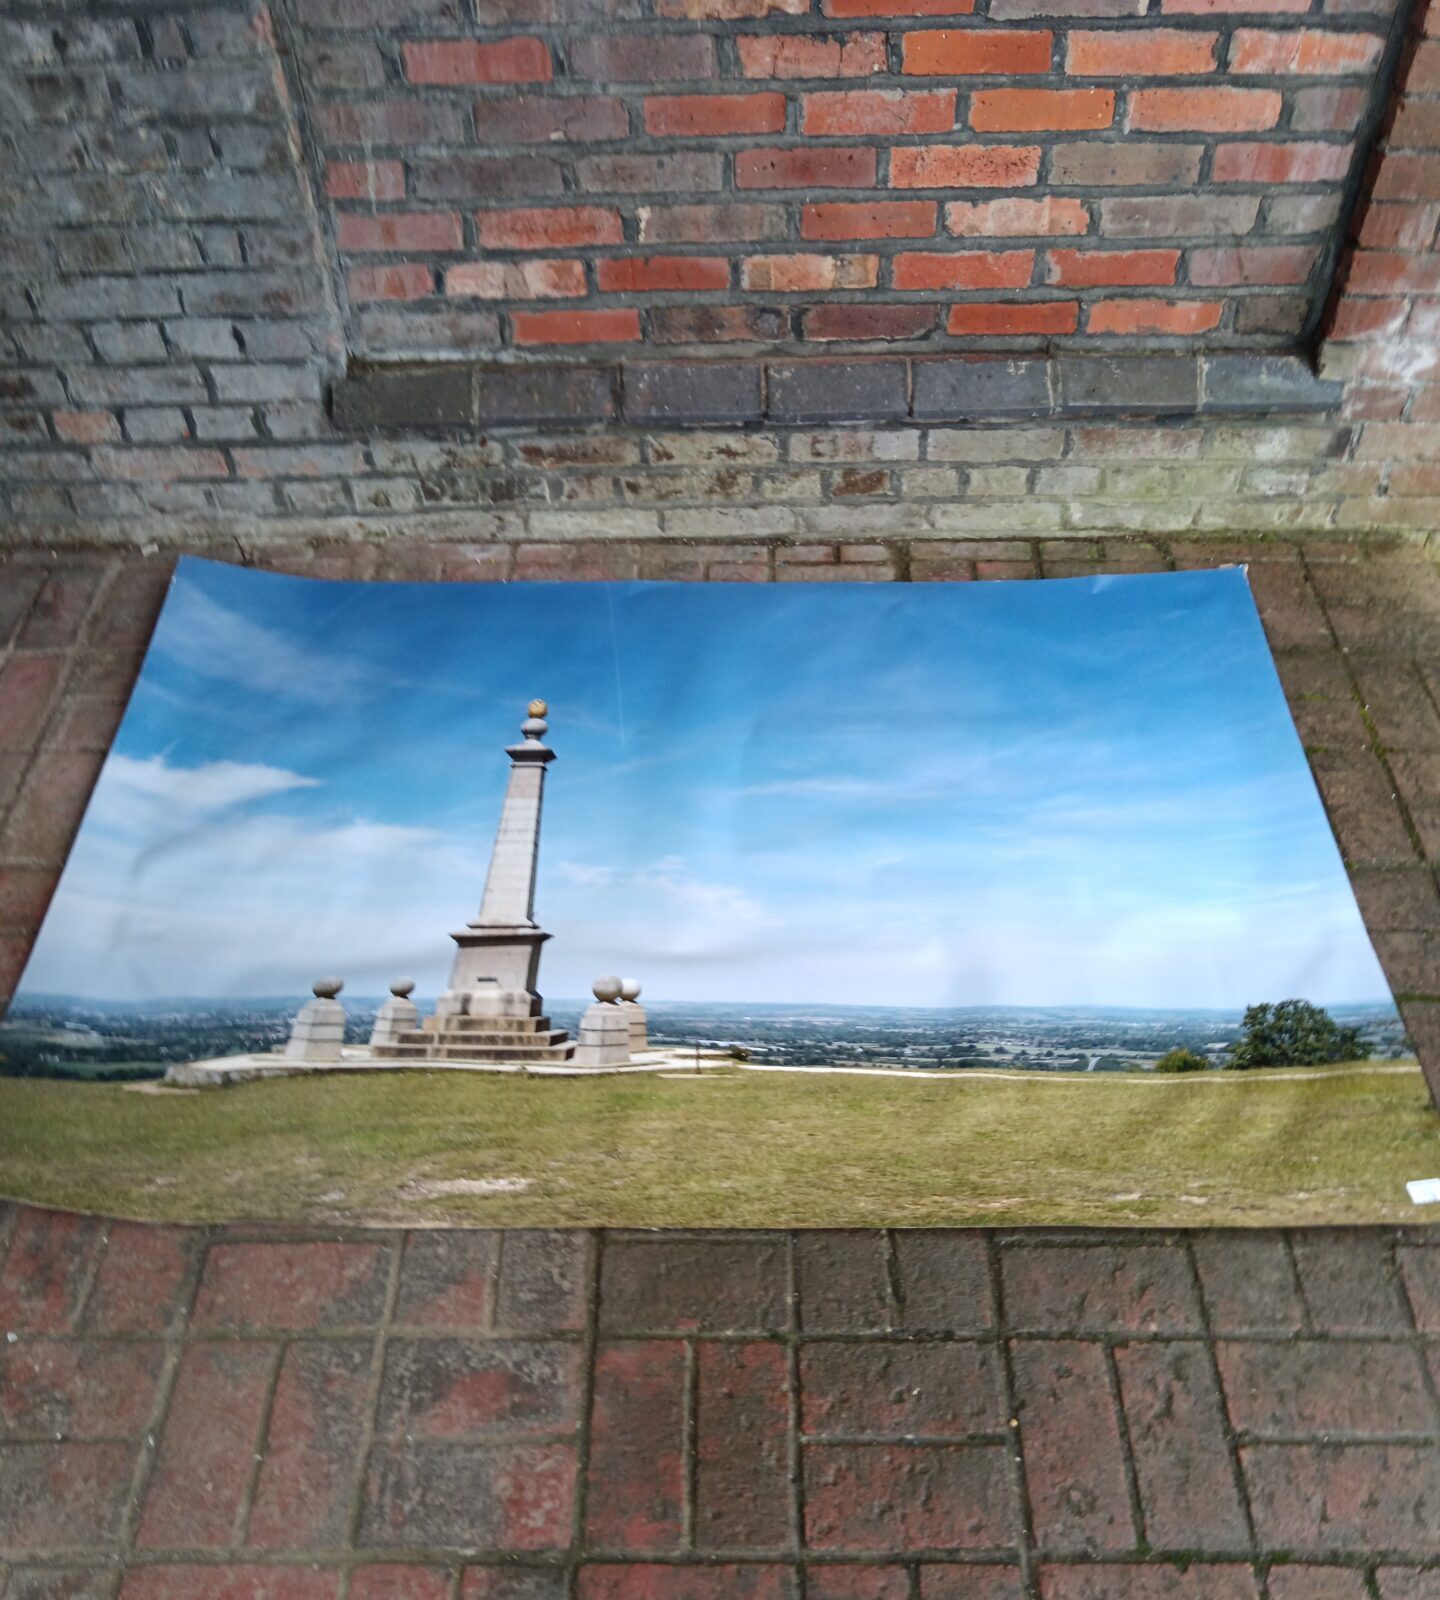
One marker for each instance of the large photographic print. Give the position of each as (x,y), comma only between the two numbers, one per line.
(666,904)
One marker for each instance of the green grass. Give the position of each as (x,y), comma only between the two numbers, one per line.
(731,1149)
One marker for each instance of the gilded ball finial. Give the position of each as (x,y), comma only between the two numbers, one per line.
(537,708)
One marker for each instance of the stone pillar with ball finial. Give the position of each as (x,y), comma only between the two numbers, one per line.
(604,1028)
(497,964)
(318,1031)
(634,1015)
(398,1015)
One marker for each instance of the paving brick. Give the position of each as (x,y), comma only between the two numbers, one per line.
(716,1285)
(77,1388)
(512,1583)
(306,1488)
(741,1475)
(1420,1269)
(46,1271)
(445,1388)
(1070,1440)
(239,1582)
(729,1582)
(842,1279)
(63,1583)
(1407,1583)
(1349,1283)
(1249,1284)
(469,1496)
(972,1581)
(1341,1498)
(143,1279)
(901,1390)
(1099,1289)
(857,1583)
(1298,1582)
(291,1286)
(55,618)
(400,1581)
(207,1448)
(907,1497)
(636,1491)
(62,1498)
(1326,1388)
(1174,1419)
(1102,1582)
(447,1279)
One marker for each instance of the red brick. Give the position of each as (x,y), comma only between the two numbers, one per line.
(853,55)
(1016,218)
(550,119)
(1345,1497)
(1249,264)
(1328,108)
(365,180)
(560,227)
(24,895)
(1292,1582)
(394,1581)
(1099,1289)
(797,274)
(901,1390)
(959,52)
(141,1284)
(87,427)
(636,1494)
(46,1270)
(1394,272)
(721,224)
(728,10)
(1302,162)
(866,219)
(642,57)
(545,279)
(1208,110)
(1085,269)
(939,1581)
(406,122)
(897,8)
(312,1447)
(964,166)
(695,115)
(1070,1439)
(207,1450)
(1222,7)
(736,1582)
(446,1279)
(1249,1284)
(742,1410)
(1408,177)
(1348,1284)
(717,325)
(1154,316)
(635,274)
(545,1278)
(399,230)
(1304,50)
(405,281)
(56,1498)
(509,1496)
(1421,1267)
(1360,319)
(878,111)
(1399,227)
(1019,110)
(296,1287)
(44,821)
(968,269)
(857,1583)
(1157,1582)
(518,60)
(897,1497)
(1003,318)
(1140,53)
(180,1582)
(1330,1388)
(576,327)
(868,322)
(468,1388)
(78,1388)
(825,167)
(1174,1420)
(27,686)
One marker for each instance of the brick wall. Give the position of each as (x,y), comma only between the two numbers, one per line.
(189,194)
(936,173)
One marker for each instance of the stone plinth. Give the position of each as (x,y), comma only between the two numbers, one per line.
(604,1029)
(635,1015)
(398,1015)
(318,1032)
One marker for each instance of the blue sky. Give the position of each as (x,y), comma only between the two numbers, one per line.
(1085,791)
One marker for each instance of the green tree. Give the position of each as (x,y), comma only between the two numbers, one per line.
(1181,1059)
(1293,1033)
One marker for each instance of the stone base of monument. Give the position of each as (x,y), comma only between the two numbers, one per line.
(519,1039)
(358,1059)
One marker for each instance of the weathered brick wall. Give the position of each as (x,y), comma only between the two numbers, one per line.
(946,173)
(177,305)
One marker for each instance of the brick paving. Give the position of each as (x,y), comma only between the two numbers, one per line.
(248,1415)
(240,1415)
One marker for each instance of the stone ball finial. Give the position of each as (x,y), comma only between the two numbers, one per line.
(607,989)
(629,989)
(537,708)
(403,988)
(327,988)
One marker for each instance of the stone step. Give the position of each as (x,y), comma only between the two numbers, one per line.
(486,1025)
(509,1039)
(488,1053)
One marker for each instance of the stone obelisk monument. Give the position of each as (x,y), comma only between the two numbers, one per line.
(497,964)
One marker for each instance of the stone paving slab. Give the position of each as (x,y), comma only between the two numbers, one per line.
(640,1416)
